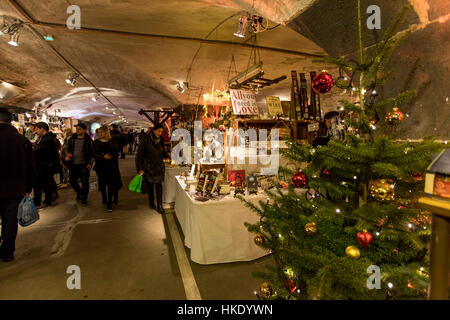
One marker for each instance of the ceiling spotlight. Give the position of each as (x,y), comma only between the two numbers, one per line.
(72,80)
(4,29)
(242,25)
(14,39)
(180,88)
(256,23)
(13,31)
(95,97)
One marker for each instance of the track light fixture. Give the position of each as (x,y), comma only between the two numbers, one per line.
(72,80)
(4,29)
(242,25)
(95,97)
(255,21)
(180,87)
(14,39)
(13,31)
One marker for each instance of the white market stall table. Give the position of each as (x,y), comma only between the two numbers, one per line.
(214,230)
(169,186)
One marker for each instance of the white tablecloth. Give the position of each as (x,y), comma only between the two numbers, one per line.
(214,230)
(169,185)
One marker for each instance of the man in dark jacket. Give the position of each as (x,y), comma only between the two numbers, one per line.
(17,170)
(47,159)
(80,159)
(118,138)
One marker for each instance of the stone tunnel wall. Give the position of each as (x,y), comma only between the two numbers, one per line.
(421,62)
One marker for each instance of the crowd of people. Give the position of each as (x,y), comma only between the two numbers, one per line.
(30,162)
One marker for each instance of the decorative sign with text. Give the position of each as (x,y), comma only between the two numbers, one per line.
(274,106)
(21,117)
(313,127)
(244,102)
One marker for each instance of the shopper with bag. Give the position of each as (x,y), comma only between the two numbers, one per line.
(150,164)
(106,154)
(17,171)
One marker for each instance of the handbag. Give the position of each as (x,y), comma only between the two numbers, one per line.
(136,184)
(27,213)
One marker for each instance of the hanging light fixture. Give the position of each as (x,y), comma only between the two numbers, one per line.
(14,39)
(242,25)
(13,31)
(95,97)
(72,80)
(180,87)
(4,29)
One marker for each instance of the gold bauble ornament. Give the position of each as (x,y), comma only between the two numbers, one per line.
(395,116)
(353,252)
(265,290)
(382,190)
(310,229)
(259,239)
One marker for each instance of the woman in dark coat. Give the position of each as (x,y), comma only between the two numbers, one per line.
(106,154)
(150,163)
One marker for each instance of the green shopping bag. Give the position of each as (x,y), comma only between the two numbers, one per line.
(136,184)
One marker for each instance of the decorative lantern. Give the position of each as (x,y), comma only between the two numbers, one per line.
(437,179)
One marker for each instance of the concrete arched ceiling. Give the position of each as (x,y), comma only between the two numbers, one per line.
(135,52)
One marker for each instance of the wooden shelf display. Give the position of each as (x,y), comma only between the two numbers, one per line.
(287,128)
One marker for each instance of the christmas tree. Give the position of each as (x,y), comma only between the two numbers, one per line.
(357,222)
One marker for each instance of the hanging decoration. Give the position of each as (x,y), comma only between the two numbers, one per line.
(364,238)
(382,190)
(300,180)
(265,290)
(353,252)
(395,116)
(290,286)
(311,229)
(259,240)
(217,96)
(322,83)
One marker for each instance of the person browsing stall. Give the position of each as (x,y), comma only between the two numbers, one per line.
(150,164)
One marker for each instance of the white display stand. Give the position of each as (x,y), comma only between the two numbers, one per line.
(214,230)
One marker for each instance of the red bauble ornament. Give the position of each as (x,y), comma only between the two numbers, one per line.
(326,172)
(322,83)
(290,286)
(364,238)
(300,180)
(417,176)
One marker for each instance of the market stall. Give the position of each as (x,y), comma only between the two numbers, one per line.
(214,230)
(169,185)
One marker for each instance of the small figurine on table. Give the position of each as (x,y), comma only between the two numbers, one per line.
(239,188)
